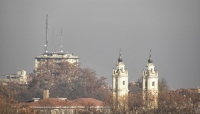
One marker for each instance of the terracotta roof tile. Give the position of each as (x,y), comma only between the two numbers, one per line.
(48,102)
(56,102)
(89,101)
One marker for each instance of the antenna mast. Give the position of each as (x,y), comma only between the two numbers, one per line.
(46,43)
(61,46)
(52,40)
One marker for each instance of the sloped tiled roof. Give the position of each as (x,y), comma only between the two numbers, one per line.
(51,102)
(88,101)
(56,102)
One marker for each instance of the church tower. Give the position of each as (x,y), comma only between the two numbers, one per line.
(120,80)
(150,85)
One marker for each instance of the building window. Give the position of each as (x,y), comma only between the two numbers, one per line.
(153,83)
(123,82)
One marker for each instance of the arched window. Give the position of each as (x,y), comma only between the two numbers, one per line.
(153,83)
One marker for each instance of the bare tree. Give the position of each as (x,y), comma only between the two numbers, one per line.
(162,85)
(67,80)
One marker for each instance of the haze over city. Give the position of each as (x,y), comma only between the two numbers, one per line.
(96,30)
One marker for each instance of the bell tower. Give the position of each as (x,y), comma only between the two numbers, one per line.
(150,84)
(120,80)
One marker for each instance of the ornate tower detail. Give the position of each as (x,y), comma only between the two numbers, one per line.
(150,84)
(120,80)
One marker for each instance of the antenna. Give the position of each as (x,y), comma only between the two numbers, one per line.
(61,46)
(52,40)
(46,43)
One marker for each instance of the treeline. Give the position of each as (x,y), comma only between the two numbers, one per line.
(65,80)
(69,81)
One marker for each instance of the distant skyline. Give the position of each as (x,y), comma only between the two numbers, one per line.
(96,30)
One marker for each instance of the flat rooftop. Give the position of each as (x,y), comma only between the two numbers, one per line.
(55,55)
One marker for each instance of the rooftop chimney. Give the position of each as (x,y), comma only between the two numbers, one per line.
(45,93)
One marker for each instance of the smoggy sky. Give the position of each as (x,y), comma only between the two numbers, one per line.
(95,30)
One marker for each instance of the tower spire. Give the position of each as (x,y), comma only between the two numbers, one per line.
(120,57)
(150,53)
(61,46)
(150,60)
(120,52)
(46,43)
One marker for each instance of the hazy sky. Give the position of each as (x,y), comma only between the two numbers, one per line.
(95,30)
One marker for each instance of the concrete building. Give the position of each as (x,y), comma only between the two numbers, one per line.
(150,85)
(120,80)
(55,57)
(20,78)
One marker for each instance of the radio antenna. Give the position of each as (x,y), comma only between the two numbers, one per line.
(52,40)
(46,43)
(61,46)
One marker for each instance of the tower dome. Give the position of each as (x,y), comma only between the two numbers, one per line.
(120,59)
(150,60)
